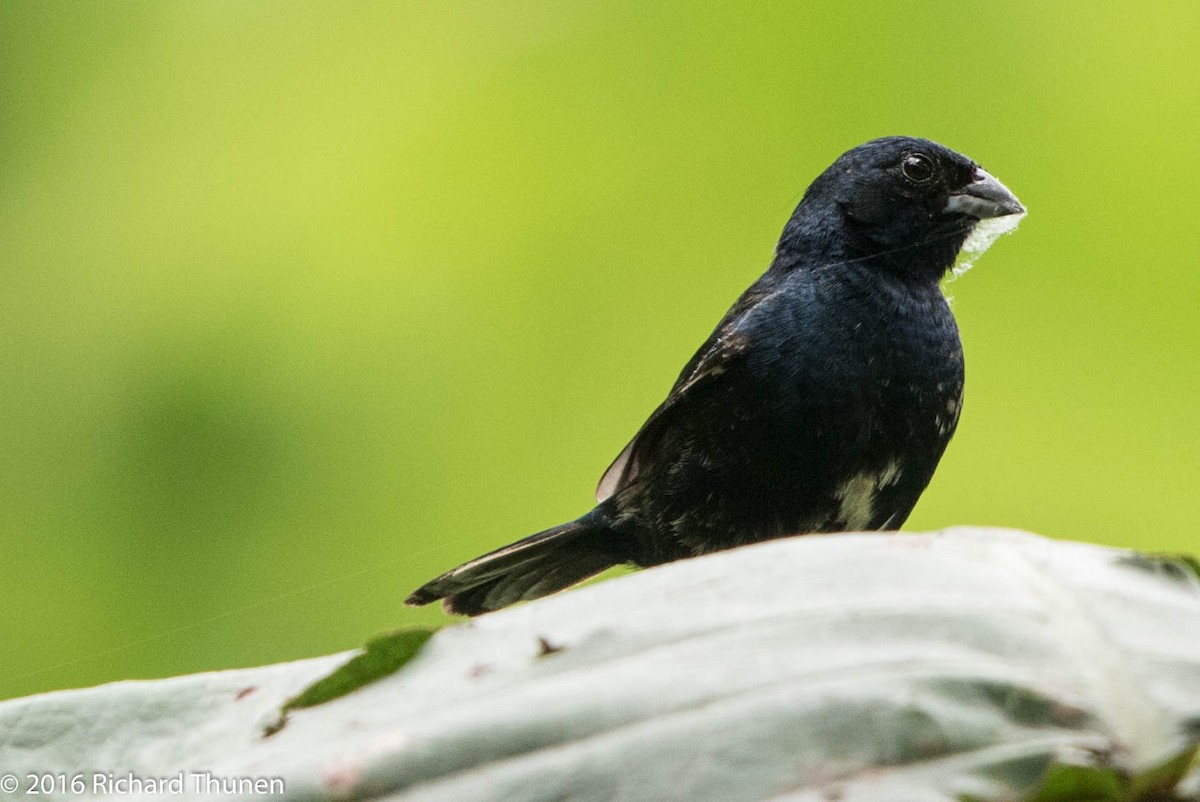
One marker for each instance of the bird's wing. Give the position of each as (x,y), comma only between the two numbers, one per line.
(722,349)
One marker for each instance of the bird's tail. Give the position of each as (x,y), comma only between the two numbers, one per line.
(528,569)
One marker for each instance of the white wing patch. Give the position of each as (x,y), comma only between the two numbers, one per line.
(612,477)
(856,495)
(946,424)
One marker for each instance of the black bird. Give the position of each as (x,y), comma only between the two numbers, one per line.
(822,402)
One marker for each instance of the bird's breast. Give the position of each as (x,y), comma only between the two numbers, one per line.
(858,380)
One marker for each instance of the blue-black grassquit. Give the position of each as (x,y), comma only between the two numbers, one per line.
(822,402)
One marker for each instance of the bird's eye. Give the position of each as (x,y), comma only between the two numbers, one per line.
(917,167)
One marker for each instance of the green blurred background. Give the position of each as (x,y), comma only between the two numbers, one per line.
(302,304)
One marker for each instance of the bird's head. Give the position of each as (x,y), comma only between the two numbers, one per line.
(904,203)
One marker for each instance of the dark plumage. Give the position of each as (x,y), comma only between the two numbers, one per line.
(822,402)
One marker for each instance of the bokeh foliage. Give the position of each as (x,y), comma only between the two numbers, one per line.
(303,304)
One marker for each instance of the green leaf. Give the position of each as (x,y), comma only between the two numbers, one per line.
(1182,567)
(1106,782)
(1158,782)
(1067,783)
(382,656)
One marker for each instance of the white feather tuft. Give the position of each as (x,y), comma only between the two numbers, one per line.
(986,232)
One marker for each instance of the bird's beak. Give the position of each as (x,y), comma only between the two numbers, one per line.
(983,198)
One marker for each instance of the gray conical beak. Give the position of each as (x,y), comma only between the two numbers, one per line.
(983,198)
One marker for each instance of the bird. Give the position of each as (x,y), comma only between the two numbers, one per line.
(822,402)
